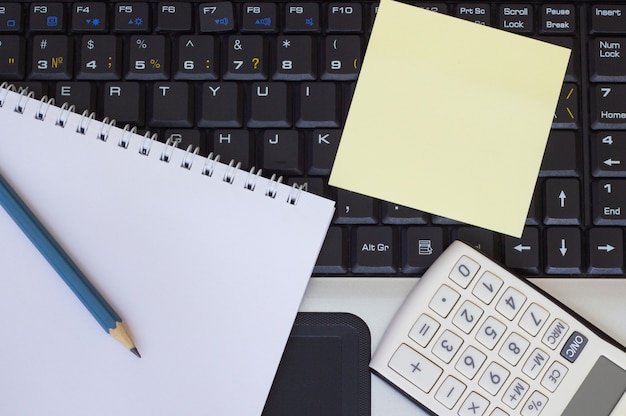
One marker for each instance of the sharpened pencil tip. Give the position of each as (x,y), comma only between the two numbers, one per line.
(136,352)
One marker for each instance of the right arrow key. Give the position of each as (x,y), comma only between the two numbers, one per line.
(606,251)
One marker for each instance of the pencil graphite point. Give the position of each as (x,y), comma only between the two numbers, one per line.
(135,351)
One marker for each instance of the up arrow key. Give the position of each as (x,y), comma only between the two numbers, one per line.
(562,197)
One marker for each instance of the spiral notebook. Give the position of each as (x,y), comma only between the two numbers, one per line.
(205,263)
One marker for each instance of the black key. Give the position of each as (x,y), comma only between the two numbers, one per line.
(233,145)
(480,238)
(11,17)
(318,105)
(222,105)
(322,151)
(89,17)
(124,102)
(216,17)
(344,17)
(558,18)
(174,17)
(12,53)
(38,88)
(475,12)
(131,17)
(563,250)
(566,114)
(516,18)
(434,7)
(373,250)
(195,56)
(47,17)
(302,17)
(398,214)
(100,58)
(313,185)
(270,105)
(245,58)
(606,61)
(295,58)
(342,58)
(608,18)
(420,248)
(186,138)
(353,208)
(563,155)
(171,105)
(52,57)
(523,253)
(608,106)
(80,94)
(562,202)
(259,17)
(149,58)
(609,201)
(281,152)
(606,251)
(608,154)
(333,255)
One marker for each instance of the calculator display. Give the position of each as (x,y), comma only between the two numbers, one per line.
(601,390)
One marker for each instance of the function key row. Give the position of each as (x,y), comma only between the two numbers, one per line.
(292,17)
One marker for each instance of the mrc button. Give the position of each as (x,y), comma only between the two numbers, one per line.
(574,346)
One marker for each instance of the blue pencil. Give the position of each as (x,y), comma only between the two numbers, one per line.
(64,266)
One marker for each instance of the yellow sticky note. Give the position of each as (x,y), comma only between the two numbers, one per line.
(450,117)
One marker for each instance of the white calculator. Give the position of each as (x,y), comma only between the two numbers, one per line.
(472,339)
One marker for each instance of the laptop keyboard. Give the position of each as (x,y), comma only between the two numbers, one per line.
(269,84)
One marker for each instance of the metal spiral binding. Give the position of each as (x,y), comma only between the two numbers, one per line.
(148,140)
(66,109)
(25,96)
(43,111)
(146,144)
(105,128)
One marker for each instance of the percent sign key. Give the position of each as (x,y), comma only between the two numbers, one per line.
(149,58)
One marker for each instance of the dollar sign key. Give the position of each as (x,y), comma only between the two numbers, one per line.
(99,58)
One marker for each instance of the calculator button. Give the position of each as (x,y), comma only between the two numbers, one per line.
(556,331)
(510,303)
(487,287)
(533,319)
(515,393)
(490,332)
(474,405)
(513,348)
(423,330)
(498,412)
(574,346)
(444,300)
(450,392)
(535,404)
(447,346)
(467,316)
(493,378)
(470,362)
(414,367)
(554,376)
(535,362)
(464,271)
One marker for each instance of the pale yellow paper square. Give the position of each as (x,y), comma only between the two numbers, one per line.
(450,117)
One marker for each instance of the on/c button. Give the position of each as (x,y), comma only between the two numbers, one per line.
(574,346)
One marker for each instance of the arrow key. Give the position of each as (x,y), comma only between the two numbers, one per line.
(562,202)
(563,250)
(606,251)
(608,154)
(523,253)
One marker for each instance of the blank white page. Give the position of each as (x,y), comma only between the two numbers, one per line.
(206,275)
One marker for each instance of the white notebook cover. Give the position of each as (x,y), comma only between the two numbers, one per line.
(207,275)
